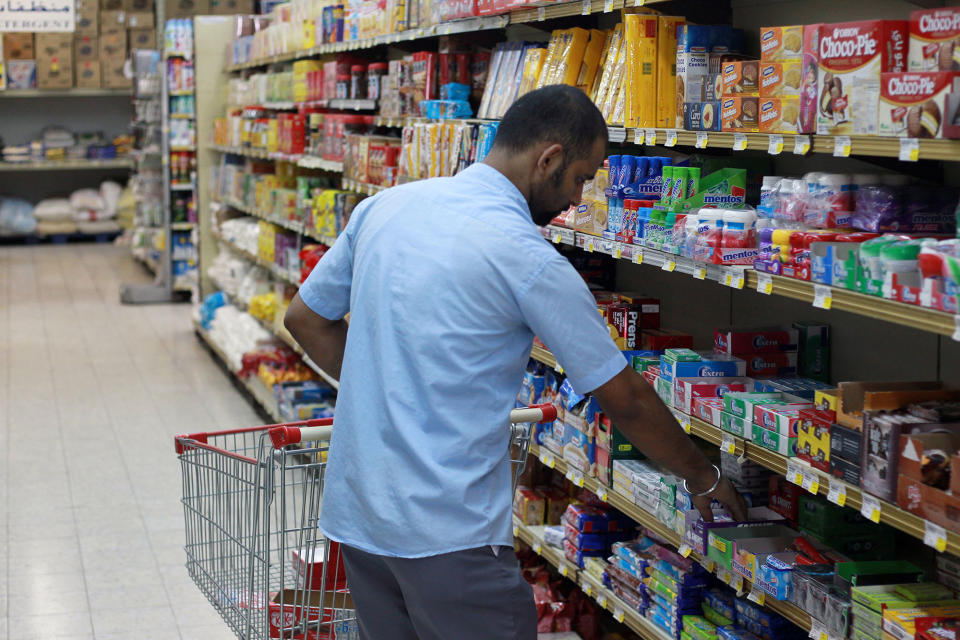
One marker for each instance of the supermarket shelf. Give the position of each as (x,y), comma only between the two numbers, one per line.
(272,267)
(354,105)
(148,262)
(182,148)
(180,92)
(80,164)
(185,288)
(181,187)
(458,26)
(290,225)
(182,226)
(65,93)
(533,536)
(182,116)
(901,313)
(305,161)
(257,391)
(890,513)
(362,187)
(650,521)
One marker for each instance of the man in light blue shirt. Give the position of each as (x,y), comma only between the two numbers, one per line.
(447,281)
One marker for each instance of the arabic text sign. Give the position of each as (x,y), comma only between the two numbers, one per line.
(37,15)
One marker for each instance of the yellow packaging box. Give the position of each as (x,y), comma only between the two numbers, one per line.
(533,61)
(591,60)
(550,62)
(571,56)
(641,73)
(668,113)
(266,241)
(609,68)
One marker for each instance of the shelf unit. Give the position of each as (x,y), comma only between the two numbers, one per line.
(362,187)
(79,164)
(63,93)
(290,225)
(305,161)
(622,612)
(901,313)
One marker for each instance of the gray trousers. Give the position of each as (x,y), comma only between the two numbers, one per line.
(467,595)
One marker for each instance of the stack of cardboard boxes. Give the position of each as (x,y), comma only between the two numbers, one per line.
(91,57)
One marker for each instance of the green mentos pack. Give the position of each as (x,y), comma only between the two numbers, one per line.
(723,189)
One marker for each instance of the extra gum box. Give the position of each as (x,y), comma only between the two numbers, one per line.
(914,104)
(935,40)
(686,389)
(755,340)
(707,409)
(781,418)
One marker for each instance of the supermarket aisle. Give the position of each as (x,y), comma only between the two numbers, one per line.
(91,393)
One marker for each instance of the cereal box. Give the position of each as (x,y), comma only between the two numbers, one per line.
(780,78)
(781,43)
(913,105)
(935,40)
(852,55)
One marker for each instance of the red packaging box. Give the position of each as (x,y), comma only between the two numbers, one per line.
(809,80)
(914,104)
(935,40)
(649,308)
(782,418)
(785,497)
(650,377)
(770,365)
(663,339)
(685,390)
(625,318)
(708,409)
(291,614)
(852,55)
(772,340)
(813,435)
(309,568)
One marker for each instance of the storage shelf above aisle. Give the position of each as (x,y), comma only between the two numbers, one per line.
(65,93)
(182,226)
(305,161)
(290,225)
(181,187)
(362,187)
(887,512)
(533,536)
(79,164)
(834,298)
(650,521)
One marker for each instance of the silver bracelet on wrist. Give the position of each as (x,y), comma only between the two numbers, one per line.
(708,491)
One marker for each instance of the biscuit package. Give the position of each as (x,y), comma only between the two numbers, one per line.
(740,113)
(852,55)
(780,78)
(781,43)
(741,77)
(935,40)
(779,115)
(913,105)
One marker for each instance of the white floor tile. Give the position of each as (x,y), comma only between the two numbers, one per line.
(44,627)
(134,621)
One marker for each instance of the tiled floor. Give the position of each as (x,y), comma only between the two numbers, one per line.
(91,393)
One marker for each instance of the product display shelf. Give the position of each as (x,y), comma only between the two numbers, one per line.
(275,271)
(182,148)
(186,186)
(182,116)
(79,164)
(650,521)
(305,161)
(255,388)
(533,536)
(467,25)
(290,225)
(798,472)
(822,296)
(403,121)
(64,93)
(362,187)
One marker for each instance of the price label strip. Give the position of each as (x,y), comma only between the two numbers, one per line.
(842,146)
(587,8)
(775,146)
(811,482)
(822,296)
(795,472)
(602,494)
(564,571)
(617,611)
(935,536)
(801,145)
(728,444)
(602,600)
(557,237)
(607,6)
(739,141)
(685,550)
(757,596)
(734,278)
(671,140)
(956,328)
(702,140)
(638,136)
(618,251)
(575,477)
(700,273)
(637,256)
(651,136)
(837,493)
(617,134)
(548,460)
(668,265)
(541,13)
(764,283)
(870,507)
(588,245)
(909,150)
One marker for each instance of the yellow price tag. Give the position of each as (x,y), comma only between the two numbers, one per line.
(638,256)
(685,550)
(588,245)
(822,296)
(870,507)
(668,265)
(618,251)
(935,536)
(700,273)
(702,140)
(909,149)
(671,138)
(837,493)
(728,444)
(602,495)
(775,146)
(618,614)
(587,589)
(564,571)
(650,135)
(557,238)
(842,146)
(764,283)
(739,141)
(757,596)
(516,532)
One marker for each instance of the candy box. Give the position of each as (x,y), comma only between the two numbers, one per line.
(740,114)
(775,575)
(781,79)
(845,470)
(781,418)
(708,365)
(580,451)
(813,355)
(649,308)
(740,427)
(701,116)
(752,553)
(774,441)
(557,501)
(741,77)
(611,439)
(826,400)
(779,114)
(900,624)
(309,566)
(813,439)
(881,457)
(914,104)
(935,40)
(686,389)
(755,340)
(741,403)
(852,55)
(695,531)
(914,494)
(781,43)
(708,409)
(721,542)
(846,443)
(770,365)
(529,505)
(664,388)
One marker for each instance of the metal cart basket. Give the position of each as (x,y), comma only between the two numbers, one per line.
(251,501)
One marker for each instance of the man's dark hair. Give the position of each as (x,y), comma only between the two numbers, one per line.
(559,113)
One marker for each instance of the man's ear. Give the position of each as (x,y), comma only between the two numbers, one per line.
(550,157)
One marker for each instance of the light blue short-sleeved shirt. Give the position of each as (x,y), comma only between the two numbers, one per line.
(447,281)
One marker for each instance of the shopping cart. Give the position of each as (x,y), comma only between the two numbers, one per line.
(251,502)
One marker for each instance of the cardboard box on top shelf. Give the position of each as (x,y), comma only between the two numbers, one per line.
(112,76)
(914,493)
(186,8)
(55,73)
(88,74)
(139,5)
(113,45)
(140,20)
(86,48)
(111,21)
(18,46)
(88,18)
(111,5)
(231,7)
(142,39)
(857,397)
(50,45)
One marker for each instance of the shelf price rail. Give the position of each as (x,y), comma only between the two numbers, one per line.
(798,472)
(822,296)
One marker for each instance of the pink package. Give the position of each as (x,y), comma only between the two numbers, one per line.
(686,389)
(782,418)
(708,409)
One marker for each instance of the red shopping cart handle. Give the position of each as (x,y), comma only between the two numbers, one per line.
(534,413)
